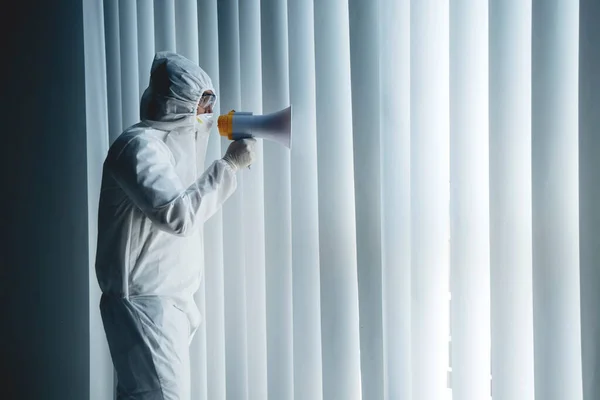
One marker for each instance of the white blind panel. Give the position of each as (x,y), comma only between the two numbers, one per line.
(510,200)
(208,53)
(254,213)
(469,200)
(186,32)
(164,25)
(557,327)
(208,59)
(129,62)
(100,368)
(429,191)
(308,382)
(198,350)
(364,43)
(278,197)
(339,287)
(589,192)
(395,196)
(236,348)
(145,35)
(113,69)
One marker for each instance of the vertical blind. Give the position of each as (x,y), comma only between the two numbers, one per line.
(421,239)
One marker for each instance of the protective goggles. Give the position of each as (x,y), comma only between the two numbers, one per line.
(207,100)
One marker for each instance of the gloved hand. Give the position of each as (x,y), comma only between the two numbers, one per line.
(240,153)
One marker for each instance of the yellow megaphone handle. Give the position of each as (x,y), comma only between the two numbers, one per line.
(225,125)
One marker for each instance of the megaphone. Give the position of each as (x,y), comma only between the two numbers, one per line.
(276,127)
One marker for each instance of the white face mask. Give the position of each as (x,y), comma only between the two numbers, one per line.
(204,123)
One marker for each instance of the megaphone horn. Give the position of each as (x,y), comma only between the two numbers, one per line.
(276,127)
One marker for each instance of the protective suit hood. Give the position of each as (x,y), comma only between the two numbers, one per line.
(176,85)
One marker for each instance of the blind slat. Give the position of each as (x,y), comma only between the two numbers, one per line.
(469,200)
(337,225)
(236,337)
(308,381)
(510,200)
(429,197)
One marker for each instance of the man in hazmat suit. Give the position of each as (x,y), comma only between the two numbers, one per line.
(153,203)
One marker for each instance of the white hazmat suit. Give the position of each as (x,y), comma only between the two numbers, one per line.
(149,257)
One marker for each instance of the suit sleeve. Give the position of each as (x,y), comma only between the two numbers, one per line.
(143,168)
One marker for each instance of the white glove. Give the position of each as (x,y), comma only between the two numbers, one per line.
(240,153)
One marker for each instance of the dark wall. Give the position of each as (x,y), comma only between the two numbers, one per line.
(44,328)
